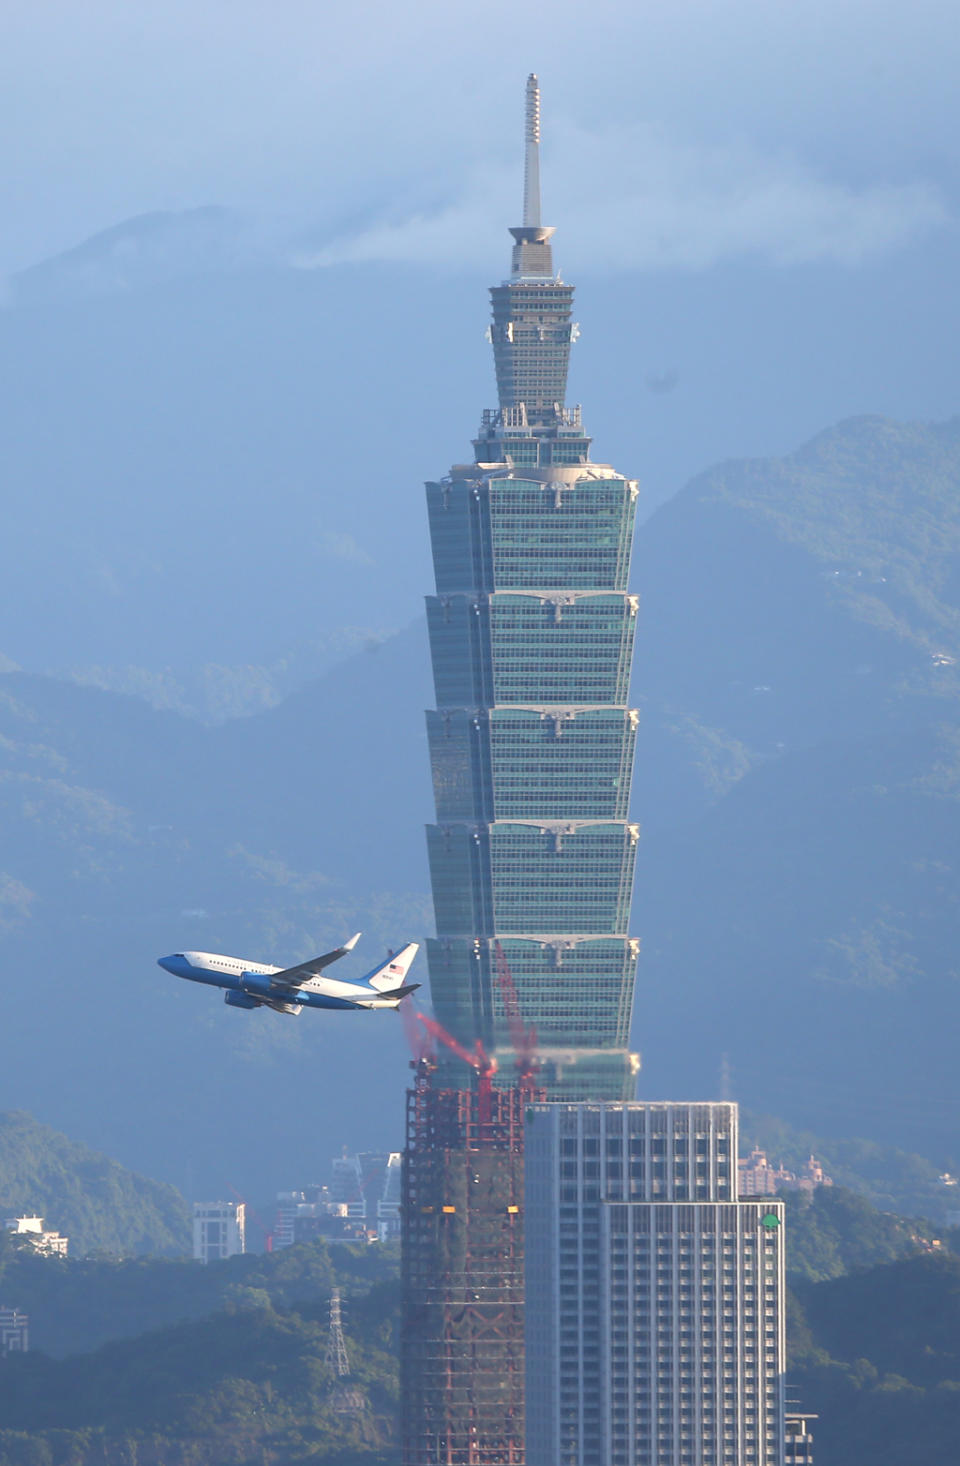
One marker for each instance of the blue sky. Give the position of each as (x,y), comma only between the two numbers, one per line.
(676,135)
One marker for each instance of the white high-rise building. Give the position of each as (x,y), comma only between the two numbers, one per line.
(655,1329)
(219,1229)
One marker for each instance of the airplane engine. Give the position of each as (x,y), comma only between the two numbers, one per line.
(257,984)
(241,1000)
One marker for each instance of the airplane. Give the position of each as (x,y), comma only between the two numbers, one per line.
(288,989)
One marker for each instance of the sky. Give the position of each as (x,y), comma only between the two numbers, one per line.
(757,199)
(677,135)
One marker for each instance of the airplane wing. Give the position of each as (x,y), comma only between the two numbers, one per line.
(294,977)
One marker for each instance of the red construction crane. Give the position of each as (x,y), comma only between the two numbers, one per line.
(522,1036)
(421,1043)
(267,1231)
(477,1057)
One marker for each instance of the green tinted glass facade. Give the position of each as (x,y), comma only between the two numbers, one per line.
(531,744)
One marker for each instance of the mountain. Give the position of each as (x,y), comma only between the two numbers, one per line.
(835,1232)
(77,1306)
(894,1180)
(874,1353)
(214,457)
(227,1364)
(96,1203)
(807,613)
(797,885)
(139,253)
(245,1385)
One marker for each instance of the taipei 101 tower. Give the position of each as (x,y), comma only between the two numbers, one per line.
(531,745)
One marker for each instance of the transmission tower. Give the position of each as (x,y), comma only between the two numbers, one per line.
(336,1356)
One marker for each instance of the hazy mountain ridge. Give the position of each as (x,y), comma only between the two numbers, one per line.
(99,1205)
(807,611)
(797,772)
(874,1353)
(229,1363)
(815,594)
(890,1179)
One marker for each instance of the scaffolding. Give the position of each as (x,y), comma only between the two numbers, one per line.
(462,1355)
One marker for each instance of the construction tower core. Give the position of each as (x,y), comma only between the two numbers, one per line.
(531,745)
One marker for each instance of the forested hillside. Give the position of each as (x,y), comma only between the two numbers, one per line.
(804,614)
(175,1364)
(875,1355)
(179,1364)
(99,1205)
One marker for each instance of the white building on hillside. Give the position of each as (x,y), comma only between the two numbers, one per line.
(219,1229)
(32,1231)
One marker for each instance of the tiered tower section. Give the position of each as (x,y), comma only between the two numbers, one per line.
(531,633)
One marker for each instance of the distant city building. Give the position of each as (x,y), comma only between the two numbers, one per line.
(655,1329)
(304,1215)
(758,1177)
(346,1185)
(369,1185)
(14,1332)
(361,1203)
(219,1230)
(391,1196)
(31,1230)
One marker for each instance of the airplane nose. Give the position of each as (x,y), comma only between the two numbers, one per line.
(168,964)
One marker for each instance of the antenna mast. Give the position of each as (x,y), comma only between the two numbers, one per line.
(531,157)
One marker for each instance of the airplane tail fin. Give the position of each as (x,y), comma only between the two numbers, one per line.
(392,973)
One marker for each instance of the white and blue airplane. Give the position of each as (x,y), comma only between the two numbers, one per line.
(288,989)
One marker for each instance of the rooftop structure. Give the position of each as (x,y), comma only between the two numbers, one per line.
(531,745)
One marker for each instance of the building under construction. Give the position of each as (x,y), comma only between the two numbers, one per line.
(462,1360)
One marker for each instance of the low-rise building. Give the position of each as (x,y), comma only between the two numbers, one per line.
(362,1202)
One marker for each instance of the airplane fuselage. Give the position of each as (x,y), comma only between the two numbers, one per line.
(253,981)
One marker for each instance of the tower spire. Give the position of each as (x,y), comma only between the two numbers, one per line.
(531,252)
(531,157)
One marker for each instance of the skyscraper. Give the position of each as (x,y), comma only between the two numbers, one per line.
(531,745)
(655,1331)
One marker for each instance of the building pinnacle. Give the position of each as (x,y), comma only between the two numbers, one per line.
(531,252)
(531,159)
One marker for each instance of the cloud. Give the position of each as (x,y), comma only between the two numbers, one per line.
(344,547)
(638,198)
